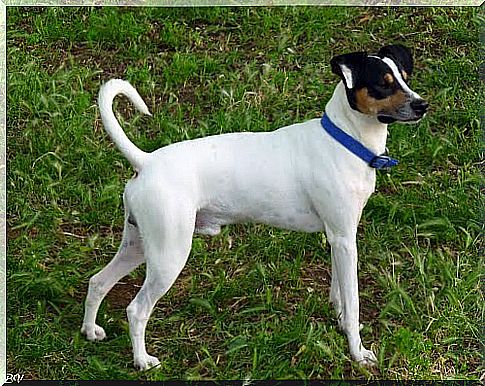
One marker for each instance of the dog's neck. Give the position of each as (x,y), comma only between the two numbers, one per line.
(366,129)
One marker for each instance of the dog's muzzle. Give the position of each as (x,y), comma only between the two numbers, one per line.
(419,107)
(411,112)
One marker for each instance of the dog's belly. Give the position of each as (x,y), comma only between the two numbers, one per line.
(304,219)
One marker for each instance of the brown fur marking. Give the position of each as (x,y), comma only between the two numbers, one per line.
(404,75)
(369,105)
(389,78)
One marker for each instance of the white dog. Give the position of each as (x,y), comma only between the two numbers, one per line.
(302,177)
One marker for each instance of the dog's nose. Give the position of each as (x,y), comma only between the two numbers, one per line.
(419,106)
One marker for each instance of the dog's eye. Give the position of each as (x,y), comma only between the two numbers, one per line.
(383,85)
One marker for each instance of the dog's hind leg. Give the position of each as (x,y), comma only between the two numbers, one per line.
(128,257)
(167,236)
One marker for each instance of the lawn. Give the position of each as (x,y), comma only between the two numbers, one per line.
(252,303)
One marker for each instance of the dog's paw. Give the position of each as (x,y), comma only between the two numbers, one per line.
(93,332)
(146,362)
(366,358)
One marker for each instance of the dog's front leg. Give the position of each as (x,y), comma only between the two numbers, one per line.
(335,291)
(344,259)
(335,298)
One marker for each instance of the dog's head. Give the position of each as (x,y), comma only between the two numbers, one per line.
(376,85)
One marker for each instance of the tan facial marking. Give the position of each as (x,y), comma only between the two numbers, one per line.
(389,78)
(372,106)
(404,75)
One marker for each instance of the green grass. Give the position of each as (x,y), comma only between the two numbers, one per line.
(253,301)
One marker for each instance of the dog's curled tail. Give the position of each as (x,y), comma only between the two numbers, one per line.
(107,93)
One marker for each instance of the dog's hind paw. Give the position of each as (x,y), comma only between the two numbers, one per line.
(93,333)
(146,362)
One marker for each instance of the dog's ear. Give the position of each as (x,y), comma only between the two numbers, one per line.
(401,55)
(347,66)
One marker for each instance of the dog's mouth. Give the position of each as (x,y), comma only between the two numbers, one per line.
(411,112)
(386,119)
(390,119)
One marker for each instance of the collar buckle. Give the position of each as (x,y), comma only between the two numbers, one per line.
(382,162)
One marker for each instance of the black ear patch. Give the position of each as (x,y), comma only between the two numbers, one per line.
(348,66)
(400,55)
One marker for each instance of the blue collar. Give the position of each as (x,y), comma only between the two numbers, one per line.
(351,144)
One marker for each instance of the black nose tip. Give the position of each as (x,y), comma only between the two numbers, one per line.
(419,106)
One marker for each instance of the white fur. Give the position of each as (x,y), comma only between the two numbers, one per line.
(347,74)
(297,177)
(400,80)
(106,95)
